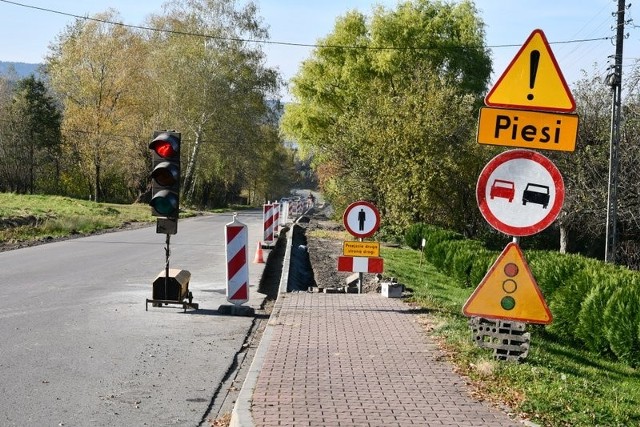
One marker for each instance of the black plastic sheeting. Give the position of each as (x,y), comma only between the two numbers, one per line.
(300,271)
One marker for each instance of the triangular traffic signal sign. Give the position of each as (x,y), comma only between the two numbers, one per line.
(509,291)
(533,80)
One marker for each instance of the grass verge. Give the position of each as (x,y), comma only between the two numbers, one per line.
(27,218)
(558,384)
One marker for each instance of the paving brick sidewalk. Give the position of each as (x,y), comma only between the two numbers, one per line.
(358,360)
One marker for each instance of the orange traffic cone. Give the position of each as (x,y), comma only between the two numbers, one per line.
(258,259)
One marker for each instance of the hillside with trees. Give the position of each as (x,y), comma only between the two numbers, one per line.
(107,87)
(387,108)
(384,109)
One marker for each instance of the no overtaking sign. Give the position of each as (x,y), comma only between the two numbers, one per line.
(520,192)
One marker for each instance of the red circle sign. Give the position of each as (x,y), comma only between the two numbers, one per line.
(520,192)
(361,219)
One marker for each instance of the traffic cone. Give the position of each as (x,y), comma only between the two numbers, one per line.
(258,259)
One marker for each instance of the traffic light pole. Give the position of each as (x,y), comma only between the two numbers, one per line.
(165,204)
(167,253)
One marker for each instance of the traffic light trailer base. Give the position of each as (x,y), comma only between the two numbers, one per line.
(172,287)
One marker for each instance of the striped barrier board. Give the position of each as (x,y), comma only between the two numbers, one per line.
(361,264)
(236,238)
(267,220)
(276,219)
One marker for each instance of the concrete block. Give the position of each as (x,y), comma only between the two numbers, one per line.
(391,290)
(236,310)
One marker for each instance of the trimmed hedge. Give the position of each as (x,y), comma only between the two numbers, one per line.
(593,303)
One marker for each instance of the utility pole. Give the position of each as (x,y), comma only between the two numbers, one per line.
(615,81)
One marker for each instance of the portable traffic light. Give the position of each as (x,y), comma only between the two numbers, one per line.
(165,175)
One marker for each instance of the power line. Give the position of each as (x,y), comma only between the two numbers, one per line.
(269,42)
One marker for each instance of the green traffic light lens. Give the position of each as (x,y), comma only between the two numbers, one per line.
(165,203)
(508,303)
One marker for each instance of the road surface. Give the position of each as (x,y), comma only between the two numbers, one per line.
(78,347)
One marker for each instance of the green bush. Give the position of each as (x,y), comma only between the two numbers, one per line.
(482,262)
(414,234)
(435,238)
(553,270)
(592,303)
(590,328)
(566,302)
(462,260)
(621,320)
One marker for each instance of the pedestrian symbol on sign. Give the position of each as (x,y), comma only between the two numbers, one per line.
(362,217)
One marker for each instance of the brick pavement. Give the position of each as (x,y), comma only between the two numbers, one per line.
(358,360)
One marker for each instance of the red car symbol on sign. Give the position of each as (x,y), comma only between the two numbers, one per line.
(503,189)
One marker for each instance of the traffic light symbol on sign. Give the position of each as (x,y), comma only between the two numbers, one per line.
(165,175)
(509,286)
(509,291)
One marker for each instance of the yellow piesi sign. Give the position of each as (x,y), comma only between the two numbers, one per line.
(533,80)
(361,249)
(509,292)
(527,129)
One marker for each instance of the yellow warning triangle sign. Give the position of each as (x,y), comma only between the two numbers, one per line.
(533,80)
(509,291)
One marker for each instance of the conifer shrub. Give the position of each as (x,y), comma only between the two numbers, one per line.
(594,304)
(591,327)
(463,257)
(622,320)
(482,262)
(415,233)
(552,270)
(566,302)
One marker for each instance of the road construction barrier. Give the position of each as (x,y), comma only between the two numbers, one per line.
(236,237)
(267,221)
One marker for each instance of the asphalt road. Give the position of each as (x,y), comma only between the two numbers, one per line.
(78,348)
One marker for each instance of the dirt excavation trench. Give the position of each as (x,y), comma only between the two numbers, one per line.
(314,259)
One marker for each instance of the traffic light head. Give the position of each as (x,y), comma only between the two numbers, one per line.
(165,175)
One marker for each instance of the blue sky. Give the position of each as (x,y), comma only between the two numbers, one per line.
(26,32)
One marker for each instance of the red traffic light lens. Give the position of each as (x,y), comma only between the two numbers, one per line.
(166,145)
(511,270)
(164,149)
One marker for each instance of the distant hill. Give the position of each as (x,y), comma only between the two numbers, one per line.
(21,69)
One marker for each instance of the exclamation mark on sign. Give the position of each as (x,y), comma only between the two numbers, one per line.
(534,57)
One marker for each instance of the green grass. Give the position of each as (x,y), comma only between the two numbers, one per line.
(34,217)
(556,385)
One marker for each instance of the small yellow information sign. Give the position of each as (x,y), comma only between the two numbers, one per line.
(361,249)
(528,129)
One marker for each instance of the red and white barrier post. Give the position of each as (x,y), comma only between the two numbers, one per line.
(267,220)
(236,238)
(276,219)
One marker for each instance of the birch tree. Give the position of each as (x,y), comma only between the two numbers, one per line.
(213,86)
